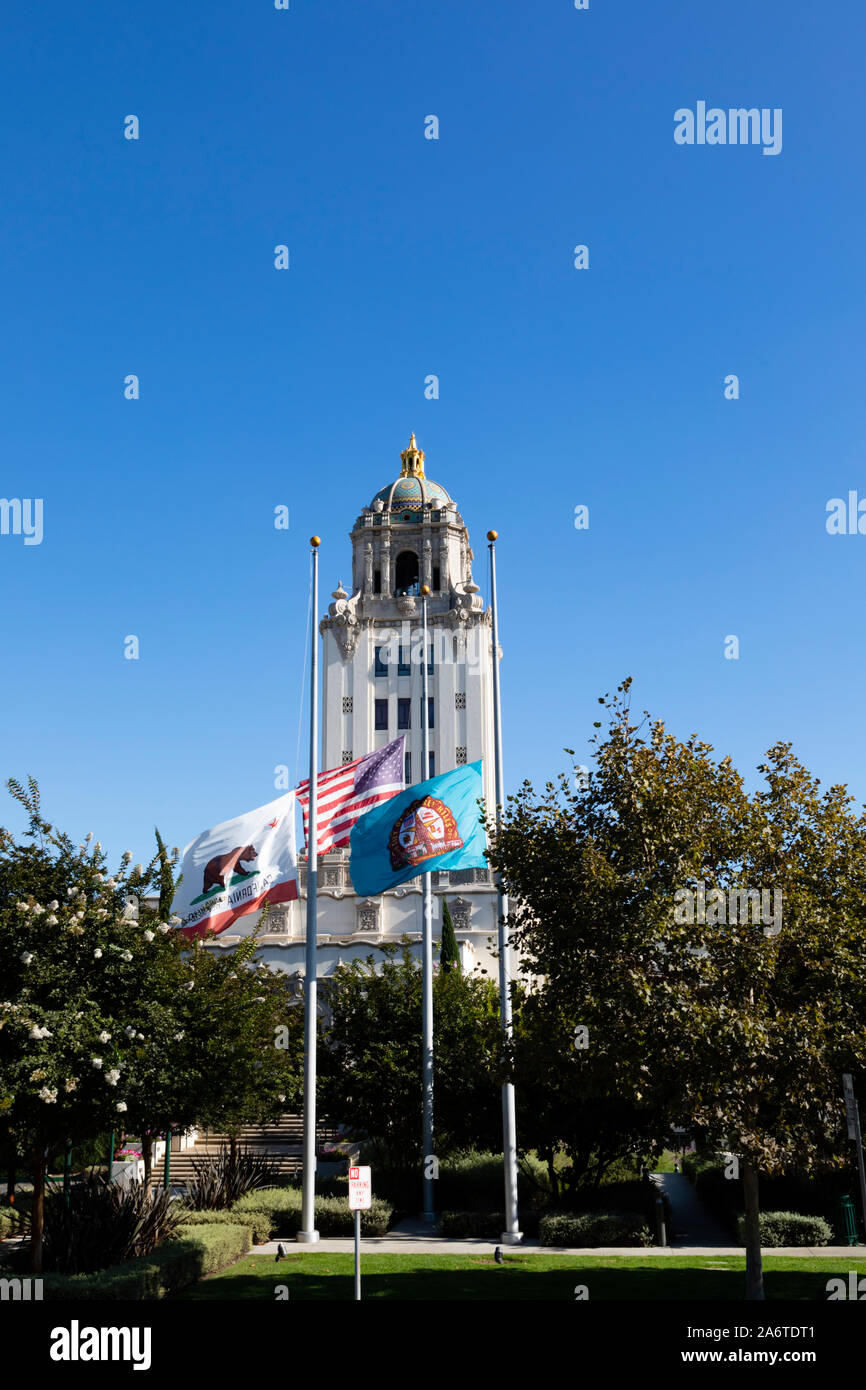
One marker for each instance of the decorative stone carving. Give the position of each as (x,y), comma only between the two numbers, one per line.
(407,605)
(278,921)
(368,916)
(461,914)
(466,600)
(343,621)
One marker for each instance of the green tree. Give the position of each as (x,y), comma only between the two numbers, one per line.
(370,1065)
(732,1027)
(568,1101)
(243,1025)
(449,954)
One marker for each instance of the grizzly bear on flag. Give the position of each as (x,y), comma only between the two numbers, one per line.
(219,870)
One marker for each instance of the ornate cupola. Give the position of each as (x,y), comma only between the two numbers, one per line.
(412,460)
(406,499)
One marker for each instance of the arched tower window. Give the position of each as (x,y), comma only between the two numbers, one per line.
(406,579)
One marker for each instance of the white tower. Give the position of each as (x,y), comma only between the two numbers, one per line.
(410,534)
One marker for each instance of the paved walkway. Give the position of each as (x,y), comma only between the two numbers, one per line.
(413,1237)
(693,1224)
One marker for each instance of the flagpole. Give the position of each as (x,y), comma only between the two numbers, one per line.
(429,1162)
(308,1234)
(512,1234)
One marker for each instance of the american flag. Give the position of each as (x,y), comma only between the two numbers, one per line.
(346,793)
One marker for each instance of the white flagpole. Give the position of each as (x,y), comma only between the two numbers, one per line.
(308,1234)
(512,1234)
(428,1159)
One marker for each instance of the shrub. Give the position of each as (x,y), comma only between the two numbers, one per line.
(469,1180)
(484,1225)
(594,1228)
(277,1201)
(13,1222)
(282,1207)
(173,1266)
(257,1221)
(104,1224)
(220,1180)
(788,1228)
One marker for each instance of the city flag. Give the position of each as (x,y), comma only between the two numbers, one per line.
(350,791)
(433,825)
(230,870)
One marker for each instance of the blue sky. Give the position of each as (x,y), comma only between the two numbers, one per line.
(409,256)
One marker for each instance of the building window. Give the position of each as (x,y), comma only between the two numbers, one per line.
(431,723)
(407,769)
(406,579)
(347,755)
(381,665)
(461,756)
(404,714)
(381,714)
(347,704)
(377,581)
(460,699)
(431,768)
(436,584)
(407,656)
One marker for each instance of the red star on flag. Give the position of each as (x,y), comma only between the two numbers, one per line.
(273,822)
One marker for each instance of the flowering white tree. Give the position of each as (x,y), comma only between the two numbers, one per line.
(76,967)
(109,1018)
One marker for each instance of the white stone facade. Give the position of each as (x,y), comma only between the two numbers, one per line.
(411,534)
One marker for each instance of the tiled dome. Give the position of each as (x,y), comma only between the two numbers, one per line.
(412,490)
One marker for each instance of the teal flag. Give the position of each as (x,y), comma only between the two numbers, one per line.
(433,825)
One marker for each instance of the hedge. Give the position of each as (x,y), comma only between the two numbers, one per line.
(258,1222)
(584,1229)
(484,1225)
(172,1266)
(788,1228)
(281,1206)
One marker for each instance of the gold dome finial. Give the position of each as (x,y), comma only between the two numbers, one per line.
(412,460)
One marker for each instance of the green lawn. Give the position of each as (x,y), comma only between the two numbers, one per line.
(523,1277)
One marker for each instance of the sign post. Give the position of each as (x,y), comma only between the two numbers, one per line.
(852,1114)
(360,1198)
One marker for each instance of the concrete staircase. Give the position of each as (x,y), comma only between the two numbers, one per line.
(281,1143)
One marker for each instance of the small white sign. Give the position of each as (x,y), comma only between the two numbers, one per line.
(360,1189)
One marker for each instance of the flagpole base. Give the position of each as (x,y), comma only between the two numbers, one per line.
(307,1237)
(511,1238)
